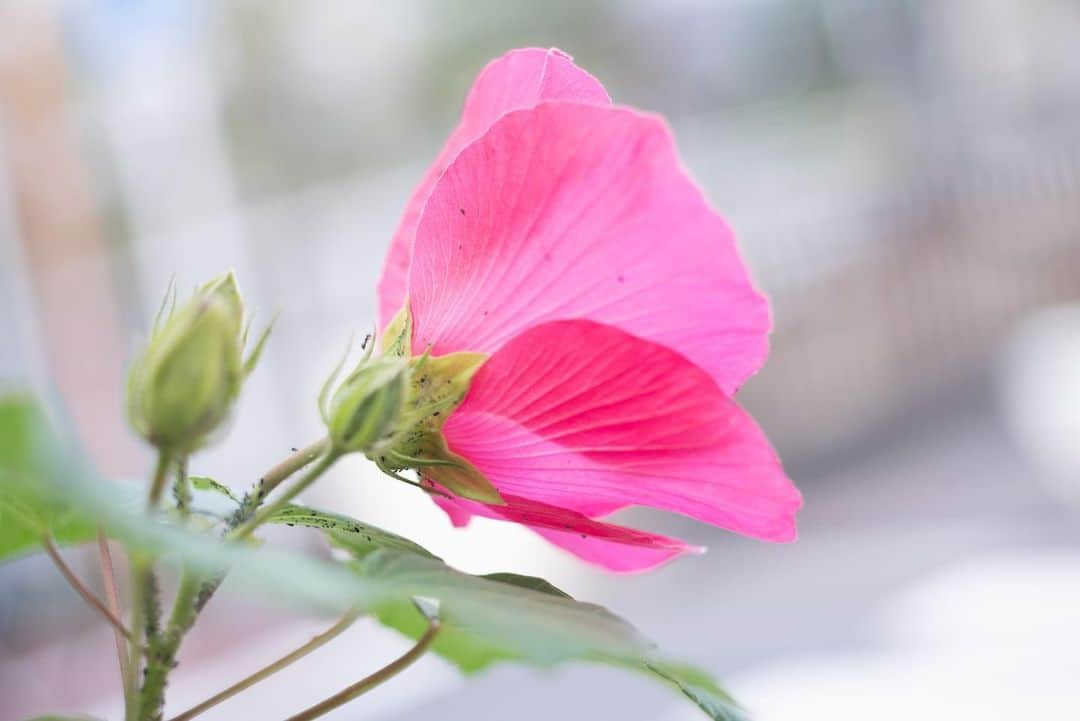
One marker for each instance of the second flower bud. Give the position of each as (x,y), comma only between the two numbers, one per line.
(365,412)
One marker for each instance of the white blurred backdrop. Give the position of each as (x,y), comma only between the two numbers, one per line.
(904,178)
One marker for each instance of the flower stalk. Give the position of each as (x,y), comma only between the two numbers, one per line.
(112,596)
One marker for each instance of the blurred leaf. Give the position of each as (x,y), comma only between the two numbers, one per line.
(29,509)
(485,619)
(202,483)
(49,488)
(356,537)
(504,620)
(700,689)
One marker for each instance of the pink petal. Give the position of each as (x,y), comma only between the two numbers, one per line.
(581,211)
(613,547)
(519,79)
(586,417)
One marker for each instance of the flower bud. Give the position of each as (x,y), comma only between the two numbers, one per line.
(366,410)
(184,384)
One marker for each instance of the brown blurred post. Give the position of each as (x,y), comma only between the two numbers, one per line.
(66,257)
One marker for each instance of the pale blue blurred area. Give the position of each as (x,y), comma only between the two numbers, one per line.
(904,180)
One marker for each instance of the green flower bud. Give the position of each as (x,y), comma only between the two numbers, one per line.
(365,412)
(182,387)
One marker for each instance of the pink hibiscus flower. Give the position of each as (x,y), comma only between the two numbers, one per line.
(560,236)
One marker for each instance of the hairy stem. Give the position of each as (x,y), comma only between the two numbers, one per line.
(161,658)
(274,478)
(145,601)
(85,593)
(366,684)
(195,592)
(270,669)
(312,475)
(181,489)
(139,569)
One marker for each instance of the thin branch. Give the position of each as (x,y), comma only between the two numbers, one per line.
(366,684)
(112,596)
(310,476)
(86,594)
(270,669)
(272,478)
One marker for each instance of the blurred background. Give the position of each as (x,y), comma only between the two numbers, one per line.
(904,179)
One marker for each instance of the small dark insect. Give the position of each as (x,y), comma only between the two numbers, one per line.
(294,450)
(461,210)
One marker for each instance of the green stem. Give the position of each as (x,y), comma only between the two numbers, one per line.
(275,477)
(146,618)
(145,605)
(161,474)
(312,475)
(194,592)
(254,498)
(181,489)
(270,669)
(138,582)
(366,684)
(147,703)
(163,649)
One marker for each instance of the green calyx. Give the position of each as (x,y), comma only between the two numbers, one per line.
(436,385)
(181,388)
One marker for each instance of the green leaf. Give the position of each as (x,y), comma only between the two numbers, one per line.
(467,639)
(358,538)
(533,582)
(514,621)
(253,357)
(485,619)
(697,686)
(50,488)
(29,508)
(202,483)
